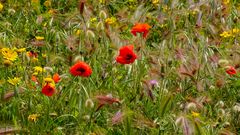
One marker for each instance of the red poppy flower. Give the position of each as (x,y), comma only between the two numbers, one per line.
(126,55)
(140,28)
(81,69)
(32,54)
(231,70)
(56,78)
(48,90)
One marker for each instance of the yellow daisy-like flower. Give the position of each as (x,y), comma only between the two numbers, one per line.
(14,81)
(195,114)
(33,117)
(1,6)
(235,31)
(9,54)
(111,20)
(50,81)
(39,38)
(20,50)
(38,69)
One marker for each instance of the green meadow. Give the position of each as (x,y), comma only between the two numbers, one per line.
(120,67)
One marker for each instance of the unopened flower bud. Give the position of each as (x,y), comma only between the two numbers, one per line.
(221,112)
(179,121)
(191,106)
(89,103)
(236,108)
(220,104)
(11,11)
(86,117)
(223,62)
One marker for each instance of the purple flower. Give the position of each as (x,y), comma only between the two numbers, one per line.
(153,82)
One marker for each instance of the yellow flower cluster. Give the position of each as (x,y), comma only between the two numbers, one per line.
(33,117)
(38,70)
(230,33)
(93,19)
(111,20)
(195,114)
(225,2)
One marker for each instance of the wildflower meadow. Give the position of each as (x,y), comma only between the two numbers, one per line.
(120,67)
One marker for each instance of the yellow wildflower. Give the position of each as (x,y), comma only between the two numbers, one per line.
(34,59)
(1,7)
(14,81)
(93,19)
(111,20)
(235,31)
(51,11)
(9,54)
(155,2)
(44,55)
(38,69)
(78,32)
(102,1)
(225,34)
(39,38)
(20,50)
(33,117)
(47,3)
(45,24)
(195,114)
(50,81)
(225,1)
